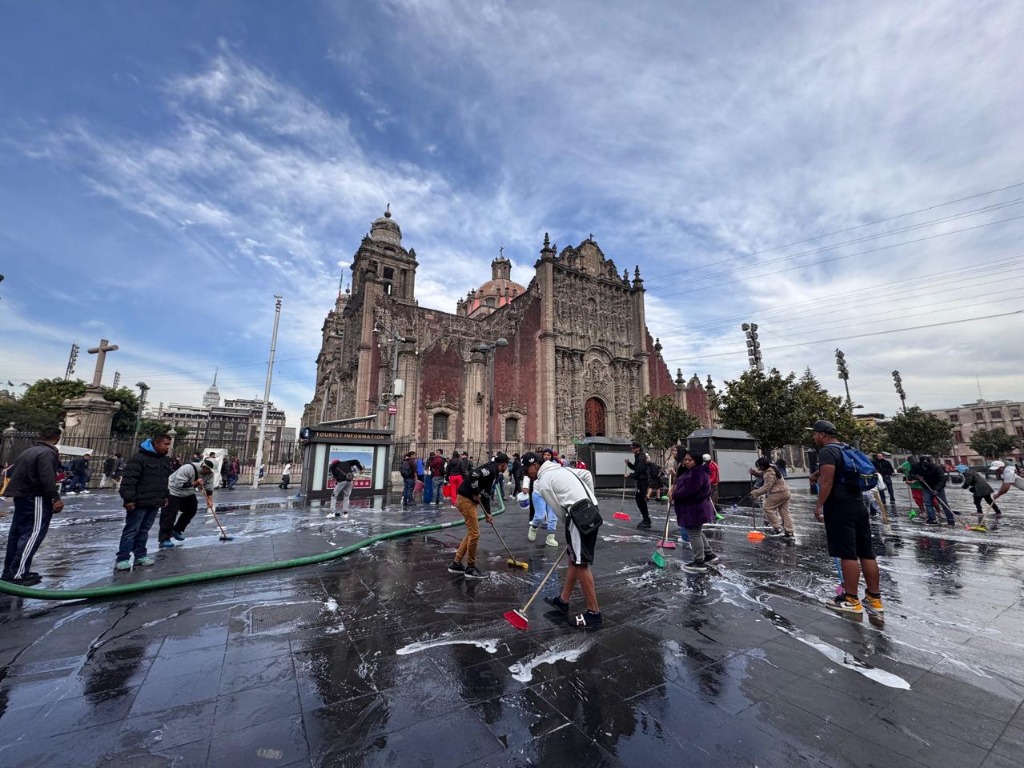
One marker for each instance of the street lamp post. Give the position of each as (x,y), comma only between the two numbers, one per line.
(266,397)
(397,385)
(143,389)
(488,351)
(898,381)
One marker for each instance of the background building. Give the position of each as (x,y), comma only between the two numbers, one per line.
(982,414)
(578,361)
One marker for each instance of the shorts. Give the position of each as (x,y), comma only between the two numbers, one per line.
(848,530)
(580,546)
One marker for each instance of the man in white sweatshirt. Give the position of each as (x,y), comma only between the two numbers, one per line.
(562,487)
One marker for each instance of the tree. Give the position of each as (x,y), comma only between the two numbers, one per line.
(26,418)
(920,432)
(49,395)
(765,405)
(658,422)
(993,443)
(124,419)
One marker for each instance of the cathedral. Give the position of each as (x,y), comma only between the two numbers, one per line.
(566,357)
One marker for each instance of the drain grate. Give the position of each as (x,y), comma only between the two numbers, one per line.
(264,618)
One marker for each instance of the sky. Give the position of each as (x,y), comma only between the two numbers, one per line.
(845,175)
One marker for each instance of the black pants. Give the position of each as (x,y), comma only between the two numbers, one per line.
(29,524)
(285,480)
(171,520)
(641,499)
(988,498)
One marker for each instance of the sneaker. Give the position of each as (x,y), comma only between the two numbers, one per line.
(644,524)
(775,532)
(931,522)
(558,604)
(710,557)
(789,535)
(532,535)
(873,605)
(588,620)
(695,566)
(167,544)
(28,580)
(473,573)
(123,565)
(456,568)
(846,604)
(551,541)
(145,560)
(177,535)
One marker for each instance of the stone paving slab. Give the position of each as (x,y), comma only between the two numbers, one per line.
(383,658)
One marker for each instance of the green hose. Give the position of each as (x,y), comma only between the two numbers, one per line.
(117,590)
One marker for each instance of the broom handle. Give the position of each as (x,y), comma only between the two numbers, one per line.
(668,516)
(543,582)
(510,555)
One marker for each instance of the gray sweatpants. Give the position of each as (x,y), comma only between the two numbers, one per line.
(698,542)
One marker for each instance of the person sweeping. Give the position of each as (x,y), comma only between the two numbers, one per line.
(694,507)
(776,498)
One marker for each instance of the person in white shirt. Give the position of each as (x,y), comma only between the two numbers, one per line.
(561,488)
(1008,476)
(286,477)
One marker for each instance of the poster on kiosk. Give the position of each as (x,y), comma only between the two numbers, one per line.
(362,453)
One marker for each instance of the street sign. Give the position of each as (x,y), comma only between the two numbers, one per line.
(392,409)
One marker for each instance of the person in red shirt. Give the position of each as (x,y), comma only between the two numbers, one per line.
(713,466)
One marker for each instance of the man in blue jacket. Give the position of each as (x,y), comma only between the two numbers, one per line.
(33,486)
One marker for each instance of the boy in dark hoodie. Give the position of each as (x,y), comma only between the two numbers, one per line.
(144,491)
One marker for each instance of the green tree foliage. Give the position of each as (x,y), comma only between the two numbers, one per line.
(26,418)
(993,443)
(124,419)
(920,432)
(49,395)
(658,422)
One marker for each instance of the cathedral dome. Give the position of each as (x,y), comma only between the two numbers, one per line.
(385,230)
(496,292)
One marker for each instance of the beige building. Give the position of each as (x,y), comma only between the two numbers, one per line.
(982,414)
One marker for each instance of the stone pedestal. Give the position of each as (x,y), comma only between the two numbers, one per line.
(89,417)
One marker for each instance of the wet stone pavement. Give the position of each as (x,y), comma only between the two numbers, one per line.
(382,657)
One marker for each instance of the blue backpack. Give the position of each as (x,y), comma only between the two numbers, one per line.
(858,471)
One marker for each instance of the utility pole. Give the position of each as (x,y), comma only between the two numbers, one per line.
(899,389)
(266,396)
(753,347)
(844,374)
(488,351)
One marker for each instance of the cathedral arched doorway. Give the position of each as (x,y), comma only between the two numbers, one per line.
(594,418)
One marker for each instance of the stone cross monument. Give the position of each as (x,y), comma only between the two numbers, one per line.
(88,418)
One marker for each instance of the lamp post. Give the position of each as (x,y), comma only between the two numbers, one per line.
(898,381)
(844,374)
(753,347)
(143,389)
(266,397)
(488,351)
(397,385)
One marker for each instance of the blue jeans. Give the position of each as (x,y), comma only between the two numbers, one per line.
(438,482)
(29,524)
(137,523)
(408,486)
(428,490)
(929,501)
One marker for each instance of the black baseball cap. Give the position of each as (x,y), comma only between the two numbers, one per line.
(501,458)
(529,458)
(825,427)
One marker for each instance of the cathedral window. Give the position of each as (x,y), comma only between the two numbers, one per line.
(439,428)
(389,273)
(511,430)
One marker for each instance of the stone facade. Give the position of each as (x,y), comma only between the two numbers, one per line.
(578,360)
(982,414)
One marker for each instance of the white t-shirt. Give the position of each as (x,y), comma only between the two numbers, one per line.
(561,487)
(287,469)
(1009,474)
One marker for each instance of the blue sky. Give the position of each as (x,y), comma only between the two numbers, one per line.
(827,170)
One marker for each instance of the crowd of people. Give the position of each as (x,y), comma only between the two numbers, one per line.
(153,486)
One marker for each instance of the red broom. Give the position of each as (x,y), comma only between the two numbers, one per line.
(622,515)
(517,617)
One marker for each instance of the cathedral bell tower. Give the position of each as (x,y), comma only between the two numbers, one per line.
(382,259)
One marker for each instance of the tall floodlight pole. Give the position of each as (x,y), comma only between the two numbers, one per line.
(266,396)
(143,389)
(898,381)
(844,374)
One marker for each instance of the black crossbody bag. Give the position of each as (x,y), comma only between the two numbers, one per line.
(584,513)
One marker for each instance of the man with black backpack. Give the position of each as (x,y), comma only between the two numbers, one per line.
(407,469)
(344,473)
(847,525)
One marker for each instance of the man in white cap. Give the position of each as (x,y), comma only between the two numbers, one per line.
(1008,476)
(713,467)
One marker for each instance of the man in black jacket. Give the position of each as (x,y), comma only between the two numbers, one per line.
(344,473)
(475,489)
(33,486)
(886,470)
(144,491)
(642,477)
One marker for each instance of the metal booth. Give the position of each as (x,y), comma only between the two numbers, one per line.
(734,451)
(322,445)
(604,457)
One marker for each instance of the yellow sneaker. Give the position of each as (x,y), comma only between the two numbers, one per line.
(846,604)
(873,605)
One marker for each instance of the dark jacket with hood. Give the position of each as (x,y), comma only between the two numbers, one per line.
(641,471)
(145,478)
(35,473)
(692,497)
